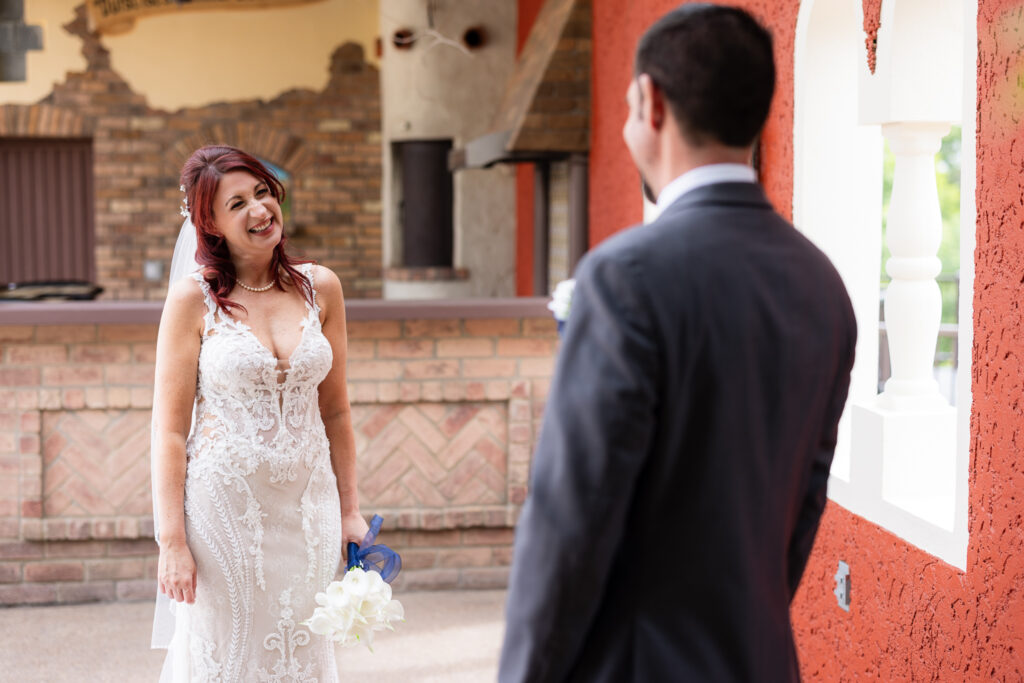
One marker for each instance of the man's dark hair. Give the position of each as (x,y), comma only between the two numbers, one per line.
(715,67)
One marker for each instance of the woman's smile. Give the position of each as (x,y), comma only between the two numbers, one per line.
(263,226)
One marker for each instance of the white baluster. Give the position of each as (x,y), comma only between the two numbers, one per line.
(913,304)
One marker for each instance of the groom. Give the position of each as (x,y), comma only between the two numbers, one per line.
(682,464)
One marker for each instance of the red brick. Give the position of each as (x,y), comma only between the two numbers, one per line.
(374,370)
(27,400)
(418,559)
(492,327)
(29,444)
(485,578)
(537,367)
(65,334)
(142,397)
(488,367)
(431,391)
(8,442)
(31,508)
(526,347)
(136,589)
(16,333)
(431,328)
(95,398)
(30,421)
(405,348)
(10,572)
(72,593)
(28,594)
(73,549)
(128,333)
(134,568)
(144,353)
(488,536)
(430,369)
(361,349)
(466,557)
(73,376)
(45,572)
(435,539)
(101,353)
(18,377)
(462,348)
(431,579)
(134,547)
(540,327)
(39,354)
(130,374)
(374,329)
(476,391)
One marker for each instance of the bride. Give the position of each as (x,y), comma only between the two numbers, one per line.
(254,475)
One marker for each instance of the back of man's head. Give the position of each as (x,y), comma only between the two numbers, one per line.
(715,67)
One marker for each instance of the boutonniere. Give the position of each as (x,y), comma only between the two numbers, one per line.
(561,302)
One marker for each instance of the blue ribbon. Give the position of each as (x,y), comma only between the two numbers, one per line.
(371,557)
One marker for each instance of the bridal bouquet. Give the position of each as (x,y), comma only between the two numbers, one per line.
(352,609)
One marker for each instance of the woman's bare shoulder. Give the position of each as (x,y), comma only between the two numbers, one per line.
(185,301)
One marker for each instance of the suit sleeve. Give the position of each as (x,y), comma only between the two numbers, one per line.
(813,503)
(599,422)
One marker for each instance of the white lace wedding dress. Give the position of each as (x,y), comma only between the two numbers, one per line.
(262,511)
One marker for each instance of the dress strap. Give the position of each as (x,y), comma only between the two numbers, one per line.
(209,320)
(307,270)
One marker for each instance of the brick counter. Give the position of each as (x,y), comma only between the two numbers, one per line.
(446,402)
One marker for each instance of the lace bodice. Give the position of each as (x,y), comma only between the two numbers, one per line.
(261,508)
(247,404)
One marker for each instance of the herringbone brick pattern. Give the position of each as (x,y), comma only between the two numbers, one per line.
(96,463)
(432,455)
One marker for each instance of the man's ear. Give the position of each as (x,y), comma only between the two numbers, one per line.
(653,112)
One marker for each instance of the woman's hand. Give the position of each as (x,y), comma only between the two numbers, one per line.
(176,572)
(353,529)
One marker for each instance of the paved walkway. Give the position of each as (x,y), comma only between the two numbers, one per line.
(448,636)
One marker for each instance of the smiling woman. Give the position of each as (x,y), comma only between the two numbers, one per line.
(251,420)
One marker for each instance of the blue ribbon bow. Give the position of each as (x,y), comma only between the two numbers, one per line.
(370,557)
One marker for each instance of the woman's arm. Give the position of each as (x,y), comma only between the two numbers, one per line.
(334,406)
(177,361)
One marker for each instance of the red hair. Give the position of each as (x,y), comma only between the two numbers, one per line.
(200,177)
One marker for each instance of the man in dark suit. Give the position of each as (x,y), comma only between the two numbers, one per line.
(683,460)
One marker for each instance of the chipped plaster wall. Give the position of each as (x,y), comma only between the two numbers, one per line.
(436,91)
(913,617)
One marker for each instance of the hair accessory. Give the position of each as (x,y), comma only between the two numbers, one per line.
(184,209)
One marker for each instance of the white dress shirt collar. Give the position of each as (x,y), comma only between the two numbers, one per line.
(704,175)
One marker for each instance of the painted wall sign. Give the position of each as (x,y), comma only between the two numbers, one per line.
(118,16)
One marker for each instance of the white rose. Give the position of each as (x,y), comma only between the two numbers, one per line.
(561,299)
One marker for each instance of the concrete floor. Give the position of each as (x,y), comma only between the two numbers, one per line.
(449,636)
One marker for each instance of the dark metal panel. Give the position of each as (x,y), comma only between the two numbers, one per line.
(46,210)
(427,194)
(541,226)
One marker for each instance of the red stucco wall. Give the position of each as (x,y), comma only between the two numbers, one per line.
(614,186)
(528,10)
(913,617)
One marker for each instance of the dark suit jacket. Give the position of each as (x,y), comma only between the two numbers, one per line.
(682,464)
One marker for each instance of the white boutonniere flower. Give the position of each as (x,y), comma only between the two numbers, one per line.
(561,300)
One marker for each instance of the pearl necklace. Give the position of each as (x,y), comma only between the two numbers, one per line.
(256,289)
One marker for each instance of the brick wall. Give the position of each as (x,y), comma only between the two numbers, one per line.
(329,141)
(446,413)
